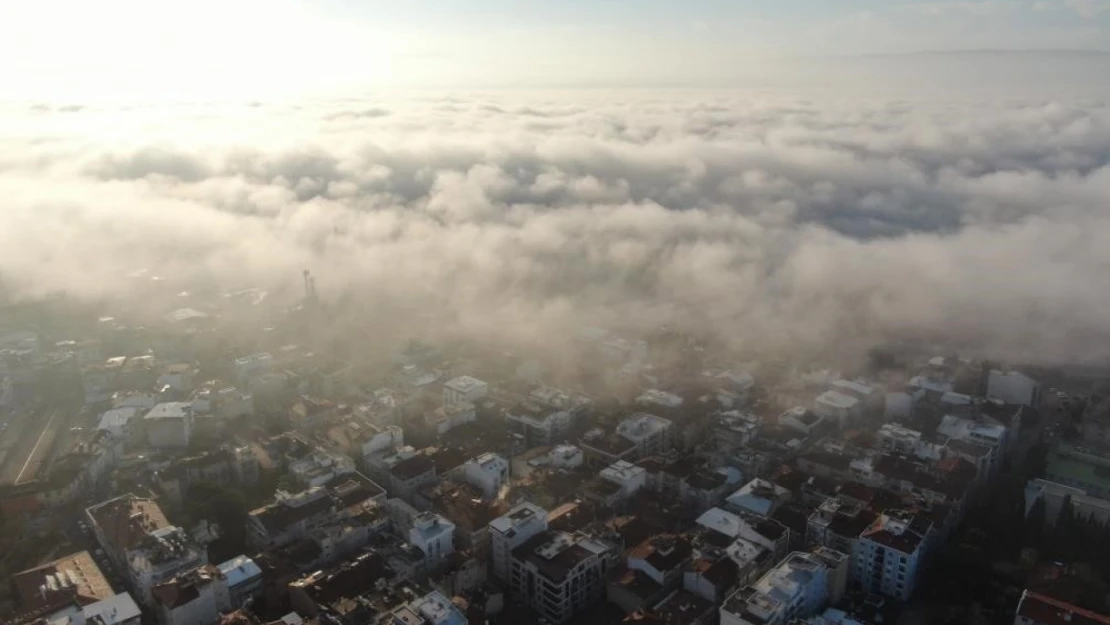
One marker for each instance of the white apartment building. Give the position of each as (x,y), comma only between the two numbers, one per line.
(558,574)
(651,434)
(889,554)
(243,577)
(169,425)
(488,472)
(250,366)
(629,477)
(796,588)
(319,467)
(463,389)
(980,431)
(512,530)
(432,609)
(450,416)
(1013,387)
(432,534)
(758,496)
(840,408)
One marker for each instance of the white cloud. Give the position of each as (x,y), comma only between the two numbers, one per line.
(815,224)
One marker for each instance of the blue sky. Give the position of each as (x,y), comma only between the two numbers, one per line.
(210,46)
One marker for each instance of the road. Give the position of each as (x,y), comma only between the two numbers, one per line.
(41,449)
(16,443)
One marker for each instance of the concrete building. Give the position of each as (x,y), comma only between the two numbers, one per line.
(433,535)
(558,574)
(243,578)
(889,555)
(796,588)
(450,416)
(120,423)
(1079,467)
(73,579)
(758,496)
(629,477)
(1096,509)
(118,609)
(196,597)
(250,366)
(840,408)
(489,472)
(320,466)
(800,420)
(512,530)
(651,434)
(464,389)
(169,425)
(431,609)
(1014,387)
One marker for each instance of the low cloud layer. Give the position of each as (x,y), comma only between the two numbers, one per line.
(823,225)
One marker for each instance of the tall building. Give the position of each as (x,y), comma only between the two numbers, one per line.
(558,574)
(512,530)
(888,556)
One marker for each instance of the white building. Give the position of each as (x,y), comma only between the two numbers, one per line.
(1013,387)
(450,416)
(561,457)
(243,577)
(800,420)
(432,534)
(796,588)
(120,609)
(319,467)
(225,402)
(250,366)
(161,556)
(892,437)
(651,434)
(463,389)
(888,556)
(512,530)
(169,425)
(758,497)
(558,574)
(431,609)
(654,397)
(840,408)
(178,377)
(979,430)
(119,422)
(1087,506)
(629,477)
(489,472)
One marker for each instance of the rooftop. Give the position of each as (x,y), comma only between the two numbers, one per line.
(126,520)
(1044,610)
(556,554)
(464,384)
(73,578)
(899,530)
(170,410)
(837,399)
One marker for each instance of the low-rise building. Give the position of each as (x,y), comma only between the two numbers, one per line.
(73,579)
(758,496)
(243,578)
(433,535)
(489,472)
(431,609)
(840,408)
(464,389)
(1040,609)
(629,477)
(796,587)
(196,597)
(169,425)
(650,433)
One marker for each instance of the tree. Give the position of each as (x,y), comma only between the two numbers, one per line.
(226,508)
(1034,524)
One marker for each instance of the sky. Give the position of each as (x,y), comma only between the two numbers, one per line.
(254,48)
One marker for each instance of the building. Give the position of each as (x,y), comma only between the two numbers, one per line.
(800,420)
(796,588)
(629,477)
(196,597)
(1039,609)
(837,524)
(1096,509)
(290,517)
(119,422)
(250,366)
(489,472)
(1079,467)
(889,555)
(433,535)
(651,434)
(512,530)
(138,539)
(431,609)
(758,496)
(320,466)
(464,389)
(74,579)
(118,609)
(450,416)
(558,574)
(169,425)
(838,407)
(1013,387)
(545,416)
(243,578)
